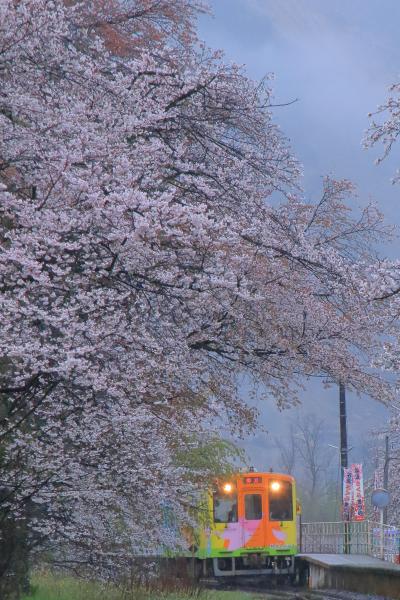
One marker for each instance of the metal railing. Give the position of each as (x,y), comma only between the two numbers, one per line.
(355,537)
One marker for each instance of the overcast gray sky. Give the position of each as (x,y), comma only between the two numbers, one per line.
(338,57)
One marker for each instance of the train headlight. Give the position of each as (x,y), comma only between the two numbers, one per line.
(275,486)
(228,487)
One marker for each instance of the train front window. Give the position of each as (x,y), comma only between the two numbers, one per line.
(252,507)
(280,501)
(225,508)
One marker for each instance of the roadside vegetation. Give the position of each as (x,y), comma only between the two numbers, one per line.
(46,586)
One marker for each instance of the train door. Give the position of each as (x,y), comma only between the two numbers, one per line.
(254,517)
(281,517)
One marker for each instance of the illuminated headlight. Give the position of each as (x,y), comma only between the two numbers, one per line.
(228,487)
(275,486)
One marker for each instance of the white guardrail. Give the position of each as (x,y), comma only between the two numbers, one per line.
(351,537)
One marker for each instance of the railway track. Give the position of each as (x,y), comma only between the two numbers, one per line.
(262,592)
(303,594)
(306,595)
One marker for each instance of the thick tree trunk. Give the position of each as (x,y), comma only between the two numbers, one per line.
(14,560)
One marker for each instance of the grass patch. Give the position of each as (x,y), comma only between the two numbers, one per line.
(47,586)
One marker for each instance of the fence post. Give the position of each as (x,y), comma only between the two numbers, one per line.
(369,544)
(300,534)
(347,547)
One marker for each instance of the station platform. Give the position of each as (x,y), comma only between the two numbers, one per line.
(353,572)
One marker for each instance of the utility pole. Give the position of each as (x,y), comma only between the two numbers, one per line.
(344,458)
(344,452)
(386,476)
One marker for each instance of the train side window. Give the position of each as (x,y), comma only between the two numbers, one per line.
(280,501)
(225,508)
(252,507)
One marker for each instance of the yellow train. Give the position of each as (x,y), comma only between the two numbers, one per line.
(249,526)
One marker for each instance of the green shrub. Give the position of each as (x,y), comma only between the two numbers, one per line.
(46,586)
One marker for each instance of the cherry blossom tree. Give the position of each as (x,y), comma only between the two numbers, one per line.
(387,465)
(385,129)
(385,125)
(394,467)
(154,244)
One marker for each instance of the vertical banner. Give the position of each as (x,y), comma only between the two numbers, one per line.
(347,493)
(358,493)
